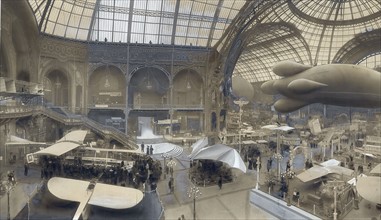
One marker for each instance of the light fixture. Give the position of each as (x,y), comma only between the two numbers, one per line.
(149,84)
(58,83)
(107,83)
(188,81)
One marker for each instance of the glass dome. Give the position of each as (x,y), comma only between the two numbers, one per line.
(185,22)
(309,32)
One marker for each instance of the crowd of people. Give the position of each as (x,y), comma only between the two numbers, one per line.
(144,171)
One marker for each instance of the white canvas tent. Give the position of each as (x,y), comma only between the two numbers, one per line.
(223,153)
(198,145)
(278,128)
(369,188)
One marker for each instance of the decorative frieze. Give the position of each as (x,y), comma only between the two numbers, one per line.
(107,53)
(63,50)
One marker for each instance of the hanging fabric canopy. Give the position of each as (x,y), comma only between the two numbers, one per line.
(13,140)
(223,153)
(198,145)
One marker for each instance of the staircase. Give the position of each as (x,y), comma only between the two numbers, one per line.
(64,119)
(112,132)
(174,153)
(8,113)
(71,119)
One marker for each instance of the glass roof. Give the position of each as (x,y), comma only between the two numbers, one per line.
(309,32)
(179,22)
(321,28)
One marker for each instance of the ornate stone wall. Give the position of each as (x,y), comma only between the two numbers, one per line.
(78,60)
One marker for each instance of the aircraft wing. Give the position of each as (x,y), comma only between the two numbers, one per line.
(320,171)
(115,197)
(104,195)
(69,189)
(313,173)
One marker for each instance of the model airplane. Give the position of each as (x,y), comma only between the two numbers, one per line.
(330,167)
(98,194)
(333,84)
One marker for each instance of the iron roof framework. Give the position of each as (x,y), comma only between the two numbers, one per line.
(250,36)
(309,32)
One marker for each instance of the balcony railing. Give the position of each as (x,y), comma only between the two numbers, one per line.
(119,106)
(15,111)
(165,106)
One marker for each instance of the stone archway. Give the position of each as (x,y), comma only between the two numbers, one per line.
(107,86)
(149,88)
(56,88)
(188,89)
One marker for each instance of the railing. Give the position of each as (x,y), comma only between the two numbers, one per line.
(73,119)
(161,217)
(15,111)
(166,106)
(107,106)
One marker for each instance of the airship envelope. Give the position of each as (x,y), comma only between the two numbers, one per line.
(242,88)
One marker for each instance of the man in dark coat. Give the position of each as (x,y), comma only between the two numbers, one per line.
(26,169)
(220,182)
(151,150)
(142,147)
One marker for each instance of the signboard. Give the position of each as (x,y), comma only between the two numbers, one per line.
(111,93)
(30,158)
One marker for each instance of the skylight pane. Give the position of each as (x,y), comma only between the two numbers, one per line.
(180,40)
(63,18)
(74,20)
(49,28)
(59,30)
(166,29)
(85,22)
(71,32)
(82,34)
(151,28)
(54,14)
(181,31)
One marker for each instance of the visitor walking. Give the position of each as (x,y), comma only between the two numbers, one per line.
(151,150)
(220,182)
(269,162)
(170,185)
(142,147)
(26,169)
